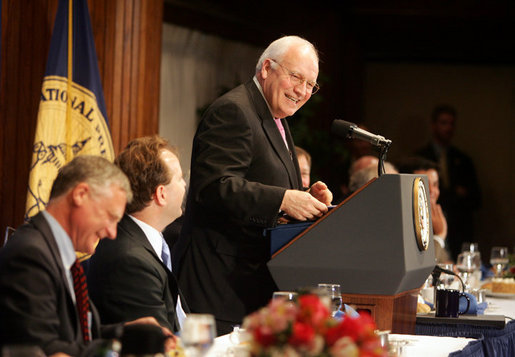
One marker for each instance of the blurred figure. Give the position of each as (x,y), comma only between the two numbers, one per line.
(421,166)
(304,159)
(357,149)
(459,189)
(362,162)
(365,169)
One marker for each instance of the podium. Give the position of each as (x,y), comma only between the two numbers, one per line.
(368,244)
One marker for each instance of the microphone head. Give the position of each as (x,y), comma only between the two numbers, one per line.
(342,128)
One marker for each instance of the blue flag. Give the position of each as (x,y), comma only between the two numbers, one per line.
(72,117)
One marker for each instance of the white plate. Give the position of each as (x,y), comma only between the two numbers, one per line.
(500,295)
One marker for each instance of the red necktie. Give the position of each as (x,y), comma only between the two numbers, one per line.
(81,297)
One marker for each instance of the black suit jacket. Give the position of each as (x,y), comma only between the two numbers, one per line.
(240,170)
(461,198)
(127,280)
(36,306)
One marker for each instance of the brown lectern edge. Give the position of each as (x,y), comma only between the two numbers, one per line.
(322,218)
(396,313)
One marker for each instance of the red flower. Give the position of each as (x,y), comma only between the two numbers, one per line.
(313,312)
(264,336)
(334,333)
(302,334)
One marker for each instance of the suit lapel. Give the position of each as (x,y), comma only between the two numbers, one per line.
(136,233)
(41,224)
(273,134)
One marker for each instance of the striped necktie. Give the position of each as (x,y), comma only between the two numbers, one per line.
(81,298)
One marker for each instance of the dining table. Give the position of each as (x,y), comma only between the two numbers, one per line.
(411,345)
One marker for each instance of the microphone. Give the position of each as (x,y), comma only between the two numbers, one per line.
(350,130)
(437,271)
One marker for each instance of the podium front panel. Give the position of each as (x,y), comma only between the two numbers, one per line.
(367,244)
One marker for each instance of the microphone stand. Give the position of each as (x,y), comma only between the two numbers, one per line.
(383,149)
(437,271)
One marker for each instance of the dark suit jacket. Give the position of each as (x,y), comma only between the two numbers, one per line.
(127,280)
(458,207)
(240,169)
(35,302)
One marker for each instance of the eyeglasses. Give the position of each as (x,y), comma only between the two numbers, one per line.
(298,79)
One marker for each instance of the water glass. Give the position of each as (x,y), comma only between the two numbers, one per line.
(197,334)
(466,264)
(499,259)
(334,292)
(447,279)
(470,247)
(286,295)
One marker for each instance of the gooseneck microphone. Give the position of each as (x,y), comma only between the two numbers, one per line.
(352,131)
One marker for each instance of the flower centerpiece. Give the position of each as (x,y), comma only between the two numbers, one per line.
(306,328)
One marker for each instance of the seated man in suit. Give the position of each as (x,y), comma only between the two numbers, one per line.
(131,276)
(422,166)
(43,292)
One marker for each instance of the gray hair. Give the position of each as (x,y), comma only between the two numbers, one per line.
(97,172)
(277,49)
(361,177)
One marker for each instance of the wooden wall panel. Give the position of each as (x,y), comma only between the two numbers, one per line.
(127,36)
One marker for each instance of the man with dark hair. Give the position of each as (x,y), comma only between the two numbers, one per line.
(43,293)
(131,276)
(421,166)
(459,188)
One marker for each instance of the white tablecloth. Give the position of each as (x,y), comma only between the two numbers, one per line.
(417,345)
(501,306)
(413,346)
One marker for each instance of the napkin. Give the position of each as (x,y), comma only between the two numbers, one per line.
(349,311)
(475,308)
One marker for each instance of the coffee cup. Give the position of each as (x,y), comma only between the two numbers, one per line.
(448,302)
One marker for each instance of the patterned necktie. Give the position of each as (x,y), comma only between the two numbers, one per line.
(81,298)
(165,255)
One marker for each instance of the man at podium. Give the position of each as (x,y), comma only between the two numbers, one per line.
(244,174)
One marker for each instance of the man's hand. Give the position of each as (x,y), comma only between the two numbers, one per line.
(302,205)
(439,221)
(170,342)
(321,192)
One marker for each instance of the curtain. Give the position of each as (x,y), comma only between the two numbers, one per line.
(195,69)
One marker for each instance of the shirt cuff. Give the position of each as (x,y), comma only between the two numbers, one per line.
(440,240)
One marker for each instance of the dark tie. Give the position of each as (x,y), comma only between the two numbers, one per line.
(81,297)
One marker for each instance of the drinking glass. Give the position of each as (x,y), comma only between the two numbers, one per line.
(499,259)
(475,276)
(333,290)
(197,334)
(286,295)
(466,264)
(470,247)
(446,279)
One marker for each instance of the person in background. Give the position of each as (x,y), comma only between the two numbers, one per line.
(421,166)
(304,165)
(43,291)
(244,177)
(131,276)
(365,169)
(460,194)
